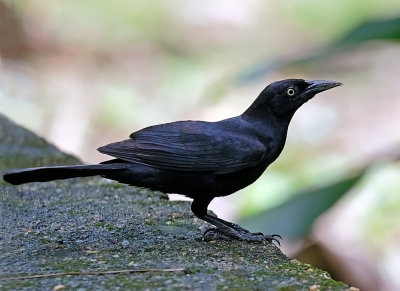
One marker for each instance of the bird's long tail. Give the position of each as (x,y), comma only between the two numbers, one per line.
(44,174)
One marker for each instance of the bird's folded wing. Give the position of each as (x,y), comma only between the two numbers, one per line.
(189,146)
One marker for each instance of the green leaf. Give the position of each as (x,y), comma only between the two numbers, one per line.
(294,218)
(386,29)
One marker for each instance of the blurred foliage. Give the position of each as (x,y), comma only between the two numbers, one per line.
(383,213)
(22,148)
(384,29)
(104,23)
(293,219)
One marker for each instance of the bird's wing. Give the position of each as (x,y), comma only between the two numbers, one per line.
(189,146)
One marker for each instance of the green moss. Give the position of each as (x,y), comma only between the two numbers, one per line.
(106,225)
(110,226)
(288,288)
(114,185)
(69,265)
(21,284)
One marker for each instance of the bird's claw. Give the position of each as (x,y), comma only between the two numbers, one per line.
(274,238)
(260,237)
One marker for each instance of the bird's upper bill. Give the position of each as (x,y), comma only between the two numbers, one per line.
(318,86)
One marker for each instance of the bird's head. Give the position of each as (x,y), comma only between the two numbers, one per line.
(284,97)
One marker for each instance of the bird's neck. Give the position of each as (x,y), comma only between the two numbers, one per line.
(270,129)
(265,115)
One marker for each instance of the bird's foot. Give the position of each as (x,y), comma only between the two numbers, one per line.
(242,234)
(214,233)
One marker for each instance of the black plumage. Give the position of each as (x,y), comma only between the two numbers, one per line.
(199,159)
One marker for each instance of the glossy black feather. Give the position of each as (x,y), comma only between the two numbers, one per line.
(191,146)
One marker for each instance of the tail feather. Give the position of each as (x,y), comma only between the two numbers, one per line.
(44,174)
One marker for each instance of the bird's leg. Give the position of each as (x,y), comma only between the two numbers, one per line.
(228,229)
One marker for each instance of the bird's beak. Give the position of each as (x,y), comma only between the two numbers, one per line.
(318,86)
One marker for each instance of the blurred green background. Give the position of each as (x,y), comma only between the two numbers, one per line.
(86,73)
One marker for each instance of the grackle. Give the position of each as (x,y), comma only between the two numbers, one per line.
(199,159)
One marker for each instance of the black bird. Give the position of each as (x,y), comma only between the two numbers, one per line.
(199,159)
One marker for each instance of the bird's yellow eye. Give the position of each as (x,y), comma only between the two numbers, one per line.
(290,91)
